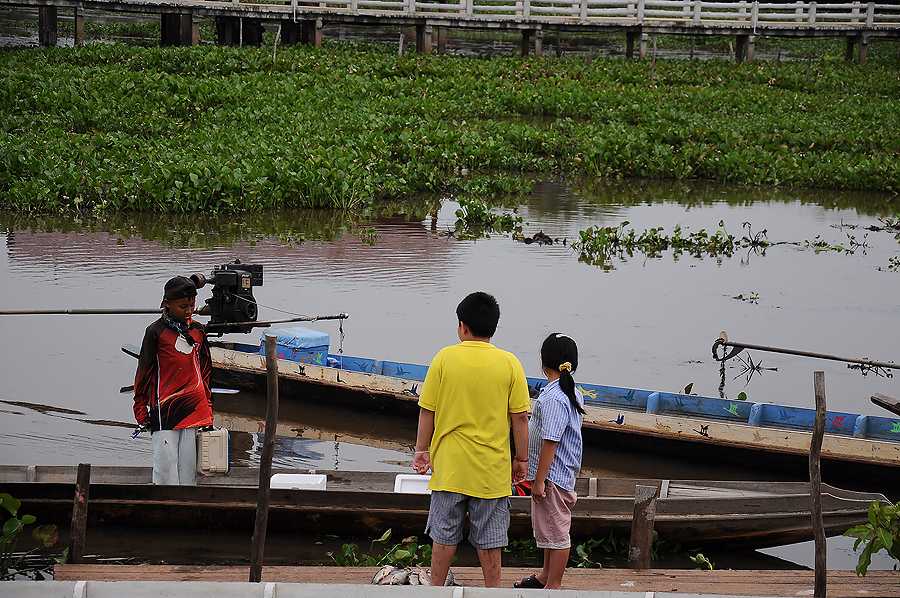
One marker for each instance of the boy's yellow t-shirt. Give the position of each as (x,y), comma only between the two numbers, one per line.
(472,388)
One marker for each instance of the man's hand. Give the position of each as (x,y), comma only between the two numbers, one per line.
(538,490)
(421,462)
(519,471)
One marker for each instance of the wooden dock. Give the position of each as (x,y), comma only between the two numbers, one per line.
(301,21)
(883,584)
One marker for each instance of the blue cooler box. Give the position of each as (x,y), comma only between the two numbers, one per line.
(299,344)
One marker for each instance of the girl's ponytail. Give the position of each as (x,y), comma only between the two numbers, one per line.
(559,352)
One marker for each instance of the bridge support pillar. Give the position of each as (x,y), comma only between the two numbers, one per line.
(252,32)
(424,35)
(291,33)
(47,26)
(848,53)
(525,47)
(176,29)
(863,54)
(228,31)
(630,38)
(441,33)
(743,49)
(539,42)
(79,26)
(311,33)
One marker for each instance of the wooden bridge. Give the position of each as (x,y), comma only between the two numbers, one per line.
(301,21)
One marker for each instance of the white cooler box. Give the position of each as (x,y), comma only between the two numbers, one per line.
(298,481)
(212,452)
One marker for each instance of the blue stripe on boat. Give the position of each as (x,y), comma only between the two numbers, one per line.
(664,403)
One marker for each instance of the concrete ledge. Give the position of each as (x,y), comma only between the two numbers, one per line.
(201,589)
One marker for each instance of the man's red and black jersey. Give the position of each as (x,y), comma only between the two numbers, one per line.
(171,386)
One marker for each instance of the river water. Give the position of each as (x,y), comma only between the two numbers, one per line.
(645,322)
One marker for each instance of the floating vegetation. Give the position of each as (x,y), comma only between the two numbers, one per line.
(475,219)
(866,369)
(751,297)
(893,265)
(111,127)
(819,245)
(407,552)
(598,245)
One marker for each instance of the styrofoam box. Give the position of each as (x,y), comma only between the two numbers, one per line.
(408,483)
(299,481)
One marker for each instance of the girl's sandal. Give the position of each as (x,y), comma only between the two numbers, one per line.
(530,582)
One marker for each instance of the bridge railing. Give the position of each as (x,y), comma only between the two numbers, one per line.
(699,13)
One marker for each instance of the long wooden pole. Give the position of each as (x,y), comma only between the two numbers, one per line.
(78,529)
(265,460)
(815,484)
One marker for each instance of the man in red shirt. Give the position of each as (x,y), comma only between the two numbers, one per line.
(171,387)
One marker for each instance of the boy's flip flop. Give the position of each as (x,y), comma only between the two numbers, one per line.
(530,582)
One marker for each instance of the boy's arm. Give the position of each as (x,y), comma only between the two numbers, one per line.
(519,422)
(422,458)
(427,406)
(145,377)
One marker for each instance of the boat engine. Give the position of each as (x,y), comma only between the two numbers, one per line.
(232,302)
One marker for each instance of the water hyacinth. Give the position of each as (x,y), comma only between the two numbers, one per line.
(112,127)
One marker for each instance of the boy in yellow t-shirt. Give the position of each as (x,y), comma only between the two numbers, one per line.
(472,394)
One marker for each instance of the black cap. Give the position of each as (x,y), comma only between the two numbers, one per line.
(179,288)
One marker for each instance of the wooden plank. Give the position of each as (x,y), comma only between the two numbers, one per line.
(885,584)
(741,435)
(889,403)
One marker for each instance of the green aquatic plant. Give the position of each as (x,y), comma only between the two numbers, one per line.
(30,564)
(475,218)
(408,552)
(702,562)
(880,532)
(110,127)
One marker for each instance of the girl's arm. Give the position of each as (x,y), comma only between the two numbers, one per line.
(548,452)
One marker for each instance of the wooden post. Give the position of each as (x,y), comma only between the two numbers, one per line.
(79,513)
(290,33)
(811,21)
(526,42)
(265,460)
(312,32)
(423,39)
(642,49)
(630,39)
(79,26)
(641,542)
(251,32)
(743,49)
(47,26)
(848,52)
(442,39)
(176,29)
(539,43)
(863,48)
(815,483)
